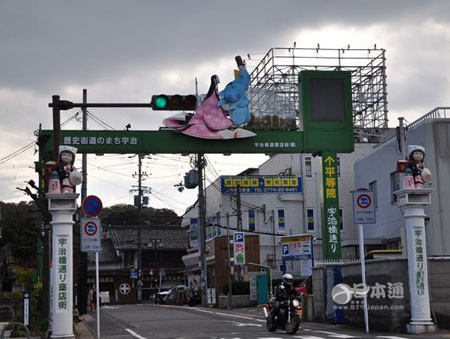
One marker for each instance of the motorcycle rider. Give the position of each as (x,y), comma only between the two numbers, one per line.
(283,291)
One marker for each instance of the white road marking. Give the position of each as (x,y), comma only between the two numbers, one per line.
(134,334)
(390,337)
(343,336)
(237,323)
(326,332)
(307,337)
(228,315)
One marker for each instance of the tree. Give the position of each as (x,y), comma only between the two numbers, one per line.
(123,214)
(20,229)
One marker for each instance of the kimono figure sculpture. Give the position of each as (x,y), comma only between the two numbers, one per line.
(69,177)
(221,114)
(415,168)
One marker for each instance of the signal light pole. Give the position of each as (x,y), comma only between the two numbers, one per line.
(202,219)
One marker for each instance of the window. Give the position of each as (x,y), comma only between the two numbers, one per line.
(251,220)
(281,224)
(341,219)
(308,167)
(395,186)
(310,219)
(287,171)
(373,187)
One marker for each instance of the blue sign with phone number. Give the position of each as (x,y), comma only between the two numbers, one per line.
(261,184)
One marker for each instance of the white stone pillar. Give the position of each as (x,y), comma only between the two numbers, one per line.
(413,202)
(62,207)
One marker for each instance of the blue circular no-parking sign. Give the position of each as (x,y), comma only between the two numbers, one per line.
(92,206)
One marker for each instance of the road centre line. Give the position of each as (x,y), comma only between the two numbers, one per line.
(134,334)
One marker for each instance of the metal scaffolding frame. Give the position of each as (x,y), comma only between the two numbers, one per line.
(274,97)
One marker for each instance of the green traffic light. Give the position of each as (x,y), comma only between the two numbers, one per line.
(161,102)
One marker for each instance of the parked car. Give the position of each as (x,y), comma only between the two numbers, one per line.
(177,295)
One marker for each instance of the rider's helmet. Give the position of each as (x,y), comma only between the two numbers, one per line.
(288,279)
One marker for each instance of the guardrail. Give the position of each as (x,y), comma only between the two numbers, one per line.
(437,113)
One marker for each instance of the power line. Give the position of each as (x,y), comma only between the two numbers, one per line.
(251,232)
(26,147)
(107,170)
(16,153)
(100,121)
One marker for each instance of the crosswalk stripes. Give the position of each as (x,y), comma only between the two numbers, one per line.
(328,334)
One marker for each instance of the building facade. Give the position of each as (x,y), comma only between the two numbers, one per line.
(377,171)
(272,215)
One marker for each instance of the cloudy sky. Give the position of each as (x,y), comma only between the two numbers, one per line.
(125,51)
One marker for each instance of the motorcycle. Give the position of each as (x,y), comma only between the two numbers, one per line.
(287,318)
(194,299)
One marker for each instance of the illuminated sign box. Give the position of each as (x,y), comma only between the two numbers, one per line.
(261,184)
(327,113)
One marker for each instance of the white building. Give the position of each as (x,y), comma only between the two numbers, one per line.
(300,212)
(377,171)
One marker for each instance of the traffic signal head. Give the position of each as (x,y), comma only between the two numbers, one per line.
(175,102)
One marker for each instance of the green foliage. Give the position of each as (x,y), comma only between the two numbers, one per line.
(123,214)
(24,276)
(21,228)
(38,324)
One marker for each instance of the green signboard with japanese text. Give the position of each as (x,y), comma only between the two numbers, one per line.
(331,239)
(170,142)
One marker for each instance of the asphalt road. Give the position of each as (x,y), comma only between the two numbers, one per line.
(181,322)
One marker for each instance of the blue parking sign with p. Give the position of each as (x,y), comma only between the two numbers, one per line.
(238,237)
(285,249)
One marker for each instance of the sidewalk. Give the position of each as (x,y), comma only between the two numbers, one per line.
(82,328)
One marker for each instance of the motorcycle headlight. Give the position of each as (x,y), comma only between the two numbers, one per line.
(295,303)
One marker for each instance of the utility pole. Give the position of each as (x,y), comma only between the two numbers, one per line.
(202,218)
(239,209)
(82,274)
(230,286)
(139,240)
(402,136)
(239,224)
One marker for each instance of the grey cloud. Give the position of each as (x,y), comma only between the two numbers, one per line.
(49,43)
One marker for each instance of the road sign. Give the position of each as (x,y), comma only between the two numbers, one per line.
(363,207)
(92,206)
(90,235)
(239,248)
(296,246)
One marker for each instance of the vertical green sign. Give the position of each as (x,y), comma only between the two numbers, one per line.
(330,227)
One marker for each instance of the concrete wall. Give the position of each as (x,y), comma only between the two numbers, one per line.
(387,314)
(236,301)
